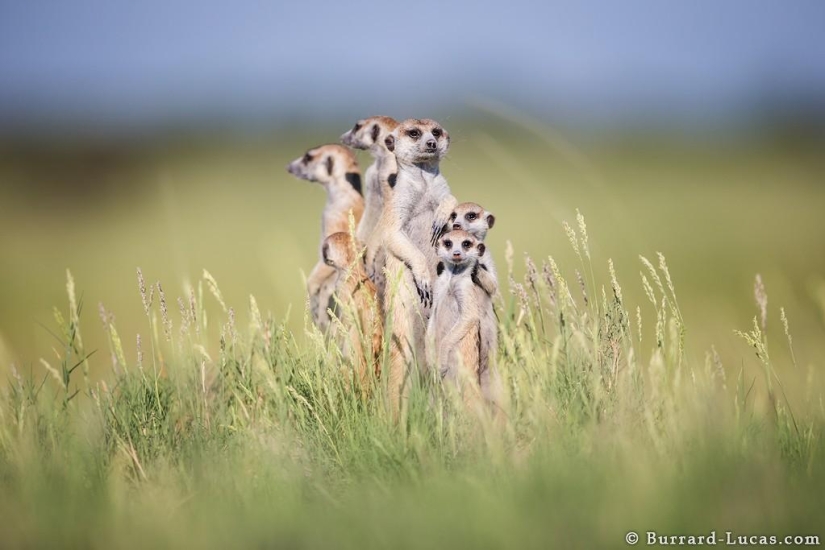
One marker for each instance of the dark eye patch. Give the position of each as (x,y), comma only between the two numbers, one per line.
(356,127)
(453,216)
(466,244)
(415,133)
(376,131)
(437,133)
(307,158)
(448,244)
(471,216)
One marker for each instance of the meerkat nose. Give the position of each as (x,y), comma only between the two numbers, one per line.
(431,143)
(456,226)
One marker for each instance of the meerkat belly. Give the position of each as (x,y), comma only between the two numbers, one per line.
(420,230)
(445,310)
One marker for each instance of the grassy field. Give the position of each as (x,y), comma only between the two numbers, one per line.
(232,427)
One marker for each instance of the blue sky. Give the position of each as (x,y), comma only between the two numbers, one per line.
(149,62)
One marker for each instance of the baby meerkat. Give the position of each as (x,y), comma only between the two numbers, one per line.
(335,168)
(358,309)
(369,134)
(419,206)
(454,329)
(474,219)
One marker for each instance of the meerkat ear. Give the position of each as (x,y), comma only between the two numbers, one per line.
(481,249)
(330,164)
(439,269)
(490,220)
(376,131)
(389,141)
(325,254)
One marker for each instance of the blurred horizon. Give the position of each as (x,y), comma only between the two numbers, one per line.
(92,69)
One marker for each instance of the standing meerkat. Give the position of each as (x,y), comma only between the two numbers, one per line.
(358,309)
(370,134)
(335,168)
(475,220)
(419,206)
(455,345)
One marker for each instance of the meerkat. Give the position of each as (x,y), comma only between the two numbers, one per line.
(359,311)
(370,134)
(336,169)
(474,219)
(455,345)
(419,207)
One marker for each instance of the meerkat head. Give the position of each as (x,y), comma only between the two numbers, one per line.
(417,141)
(326,164)
(459,248)
(370,133)
(471,218)
(339,250)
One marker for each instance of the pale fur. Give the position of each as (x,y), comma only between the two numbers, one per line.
(369,134)
(342,201)
(419,207)
(474,219)
(358,312)
(454,329)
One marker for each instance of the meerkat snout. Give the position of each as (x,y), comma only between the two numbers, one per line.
(348,138)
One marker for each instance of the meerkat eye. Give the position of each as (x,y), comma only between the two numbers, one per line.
(448,244)
(357,127)
(466,244)
(415,133)
(471,216)
(307,158)
(453,216)
(437,133)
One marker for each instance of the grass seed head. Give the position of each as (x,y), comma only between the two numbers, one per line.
(583,231)
(761,300)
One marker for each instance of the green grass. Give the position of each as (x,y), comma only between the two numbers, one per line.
(237,430)
(261,444)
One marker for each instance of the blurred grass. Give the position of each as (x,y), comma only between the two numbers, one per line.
(257,443)
(720,214)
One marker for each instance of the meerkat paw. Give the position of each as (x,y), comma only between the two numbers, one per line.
(484,279)
(442,219)
(423,287)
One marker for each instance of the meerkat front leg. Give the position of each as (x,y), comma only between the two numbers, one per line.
(486,280)
(400,246)
(442,216)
